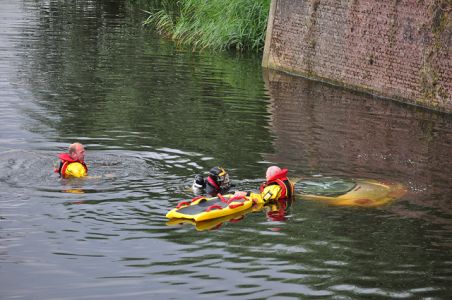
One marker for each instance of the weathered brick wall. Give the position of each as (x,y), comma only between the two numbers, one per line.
(392,48)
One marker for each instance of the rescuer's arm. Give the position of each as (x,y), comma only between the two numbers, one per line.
(271,193)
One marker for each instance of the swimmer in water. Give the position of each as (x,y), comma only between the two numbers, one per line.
(216,182)
(277,186)
(72,164)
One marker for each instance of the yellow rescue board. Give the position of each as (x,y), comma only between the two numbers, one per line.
(202,209)
(215,223)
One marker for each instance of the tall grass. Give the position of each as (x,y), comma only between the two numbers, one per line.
(215,24)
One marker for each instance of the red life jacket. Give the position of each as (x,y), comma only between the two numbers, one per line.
(65,161)
(212,188)
(213,183)
(280,179)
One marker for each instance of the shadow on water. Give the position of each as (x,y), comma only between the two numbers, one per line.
(152,114)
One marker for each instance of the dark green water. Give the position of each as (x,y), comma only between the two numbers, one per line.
(151,115)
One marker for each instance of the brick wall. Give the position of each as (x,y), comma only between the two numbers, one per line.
(398,49)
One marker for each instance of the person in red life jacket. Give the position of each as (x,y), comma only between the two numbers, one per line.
(276,193)
(72,164)
(217,182)
(276,187)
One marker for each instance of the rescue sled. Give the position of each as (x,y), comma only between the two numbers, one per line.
(202,208)
(212,224)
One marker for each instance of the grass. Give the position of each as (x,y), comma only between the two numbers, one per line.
(214,24)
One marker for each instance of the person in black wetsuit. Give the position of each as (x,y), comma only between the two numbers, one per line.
(217,182)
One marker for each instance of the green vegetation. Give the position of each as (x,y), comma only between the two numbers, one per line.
(214,24)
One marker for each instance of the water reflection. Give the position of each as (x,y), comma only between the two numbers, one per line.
(114,84)
(153,115)
(324,130)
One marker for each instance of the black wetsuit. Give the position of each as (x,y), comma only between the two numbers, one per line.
(207,186)
(213,191)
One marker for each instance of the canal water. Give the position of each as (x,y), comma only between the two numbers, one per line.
(152,114)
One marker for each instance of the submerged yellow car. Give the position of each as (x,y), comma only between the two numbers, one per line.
(349,192)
